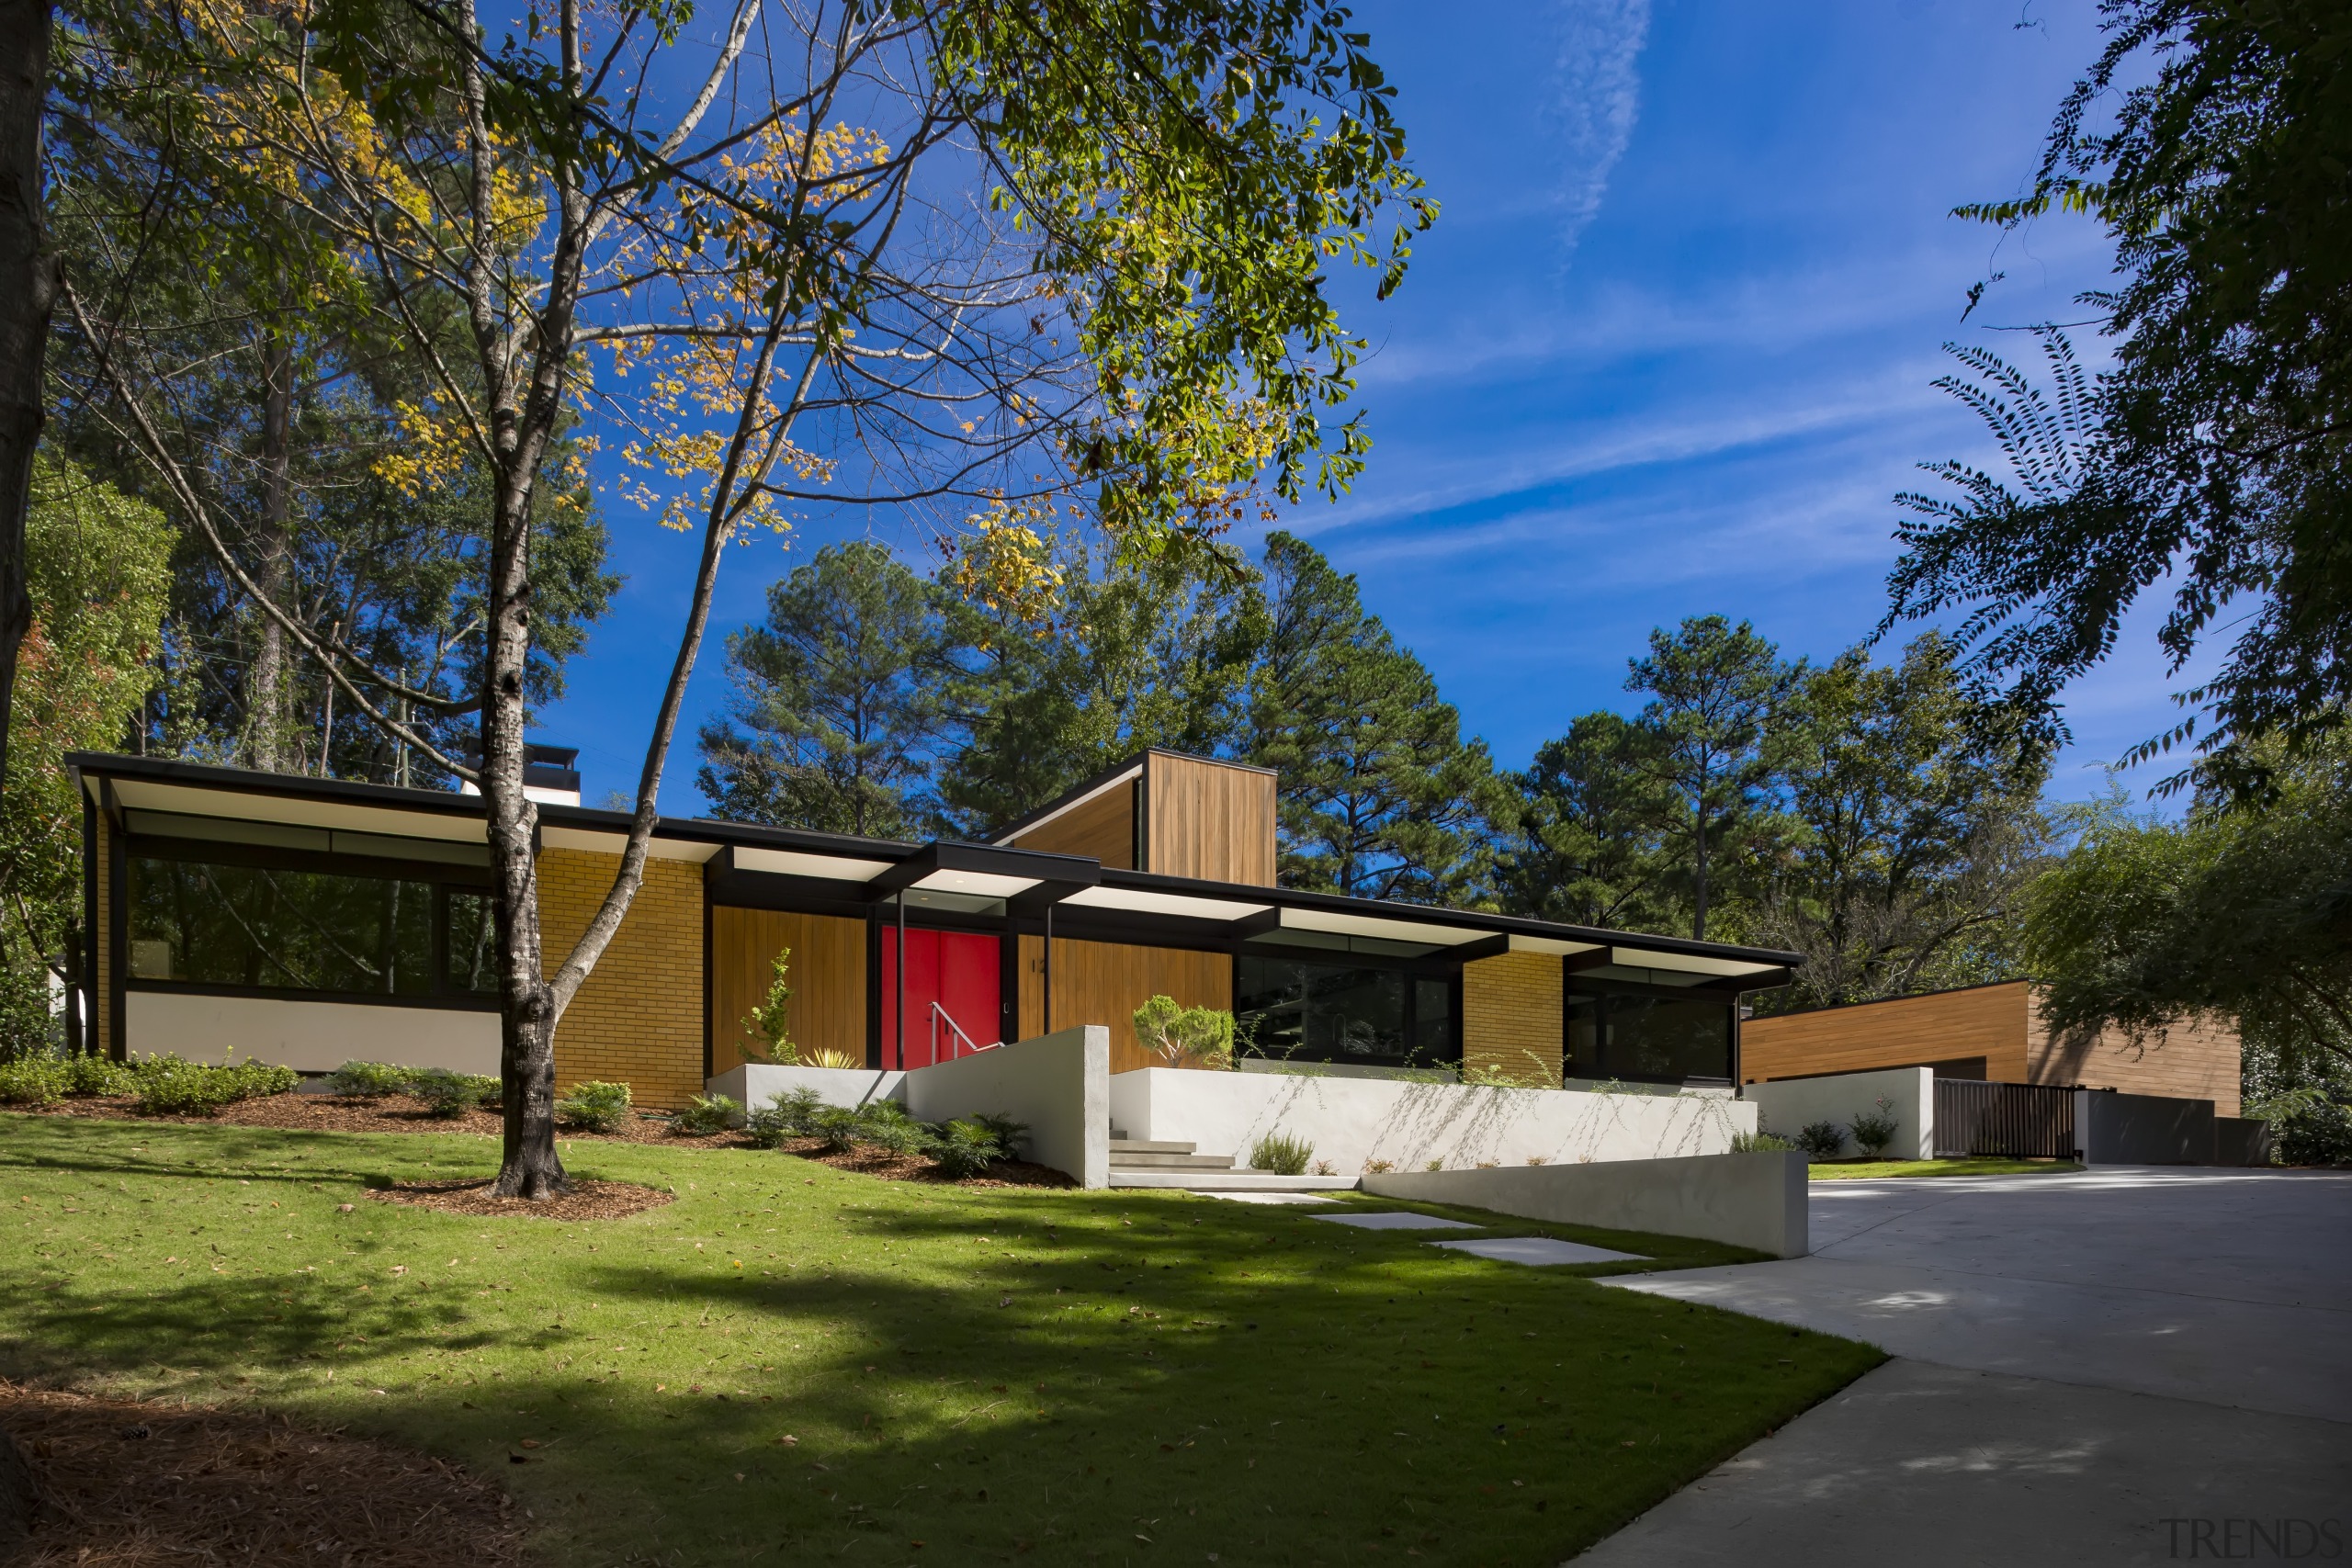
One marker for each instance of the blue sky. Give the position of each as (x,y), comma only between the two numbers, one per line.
(1668,352)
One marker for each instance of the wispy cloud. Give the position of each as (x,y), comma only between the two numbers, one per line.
(1598,97)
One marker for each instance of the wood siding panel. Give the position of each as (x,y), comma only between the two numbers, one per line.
(1909,1032)
(1208,819)
(1104,828)
(1104,982)
(2196,1059)
(638,1019)
(828,979)
(1514,1008)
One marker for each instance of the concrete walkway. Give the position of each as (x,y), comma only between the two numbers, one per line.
(2123,1366)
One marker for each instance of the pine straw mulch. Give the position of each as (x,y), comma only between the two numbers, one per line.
(133,1485)
(588,1200)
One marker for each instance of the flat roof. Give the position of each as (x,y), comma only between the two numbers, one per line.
(877,869)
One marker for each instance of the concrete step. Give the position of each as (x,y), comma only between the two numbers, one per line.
(1122,1159)
(1122,1144)
(1230,1181)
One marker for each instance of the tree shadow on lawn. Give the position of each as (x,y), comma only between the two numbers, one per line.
(1215,1379)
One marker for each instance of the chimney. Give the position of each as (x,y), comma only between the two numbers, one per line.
(548,775)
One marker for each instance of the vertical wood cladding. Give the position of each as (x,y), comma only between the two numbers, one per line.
(639,1018)
(2192,1059)
(2001,1024)
(1104,828)
(1104,982)
(1513,1013)
(828,979)
(1208,819)
(1983,1020)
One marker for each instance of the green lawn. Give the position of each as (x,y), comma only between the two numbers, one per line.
(969,1375)
(1978,1165)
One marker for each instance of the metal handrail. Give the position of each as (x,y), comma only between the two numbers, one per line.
(941,1015)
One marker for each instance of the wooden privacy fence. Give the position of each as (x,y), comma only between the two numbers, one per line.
(2021,1120)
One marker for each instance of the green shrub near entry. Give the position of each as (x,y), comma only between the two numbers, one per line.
(445,1093)
(965,1149)
(369,1080)
(1009,1134)
(33,1080)
(166,1086)
(838,1125)
(789,1115)
(1822,1139)
(1281,1154)
(886,1126)
(595,1106)
(706,1114)
(96,1075)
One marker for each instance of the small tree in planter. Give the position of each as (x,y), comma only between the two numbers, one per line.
(771,1020)
(1178,1034)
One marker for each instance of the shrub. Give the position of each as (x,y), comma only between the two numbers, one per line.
(96,1075)
(1434,1165)
(1281,1154)
(965,1149)
(1010,1135)
(770,1020)
(2316,1133)
(595,1106)
(1758,1143)
(706,1114)
(792,1115)
(1179,1033)
(886,1124)
(445,1093)
(368,1080)
(838,1125)
(33,1080)
(1324,1167)
(166,1086)
(1874,1129)
(831,1057)
(1378,1166)
(1822,1140)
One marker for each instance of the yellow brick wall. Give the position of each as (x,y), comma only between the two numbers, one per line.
(1511,1007)
(639,1018)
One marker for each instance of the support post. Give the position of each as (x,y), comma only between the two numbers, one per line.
(898,973)
(1046,1002)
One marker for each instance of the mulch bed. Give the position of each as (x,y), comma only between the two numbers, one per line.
(588,1200)
(130,1485)
(399,1113)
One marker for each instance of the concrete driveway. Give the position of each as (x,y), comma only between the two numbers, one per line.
(2122,1366)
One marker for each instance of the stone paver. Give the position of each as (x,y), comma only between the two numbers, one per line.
(1538,1250)
(1397,1221)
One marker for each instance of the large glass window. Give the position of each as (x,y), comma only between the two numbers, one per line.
(281,929)
(1291,1010)
(1648,1039)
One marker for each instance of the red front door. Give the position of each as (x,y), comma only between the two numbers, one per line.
(953,996)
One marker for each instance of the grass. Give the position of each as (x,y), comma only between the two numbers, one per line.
(791,1361)
(1974,1165)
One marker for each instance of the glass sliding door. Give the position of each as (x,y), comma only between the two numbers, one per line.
(1296,1009)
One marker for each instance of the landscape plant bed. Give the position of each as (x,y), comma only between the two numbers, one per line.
(1973,1164)
(588,1200)
(132,1482)
(995,1373)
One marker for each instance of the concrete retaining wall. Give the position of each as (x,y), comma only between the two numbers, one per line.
(1788,1105)
(310,1037)
(1753,1199)
(1058,1083)
(2142,1129)
(1353,1123)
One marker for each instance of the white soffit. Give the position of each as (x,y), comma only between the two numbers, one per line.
(1140,901)
(794,863)
(1687,963)
(612,843)
(1558,947)
(979,884)
(1341,924)
(1125,775)
(189,801)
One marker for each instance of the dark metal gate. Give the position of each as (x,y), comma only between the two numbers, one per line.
(2021,1120)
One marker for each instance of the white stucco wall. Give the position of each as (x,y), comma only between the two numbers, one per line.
(1788,1105)
(1352,1121)
(1058,1083)
(755,1086)
(310,1037)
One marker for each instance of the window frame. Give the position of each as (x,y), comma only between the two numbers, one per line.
(1578,989)
(1412,970)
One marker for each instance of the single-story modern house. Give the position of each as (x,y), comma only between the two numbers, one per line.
(1994,1031)
(312,921)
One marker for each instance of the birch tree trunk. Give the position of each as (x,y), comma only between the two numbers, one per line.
(28,288)
(267,721)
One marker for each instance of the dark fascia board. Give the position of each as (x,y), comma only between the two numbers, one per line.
(1478,920)
(1134,764)
(1057,876)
